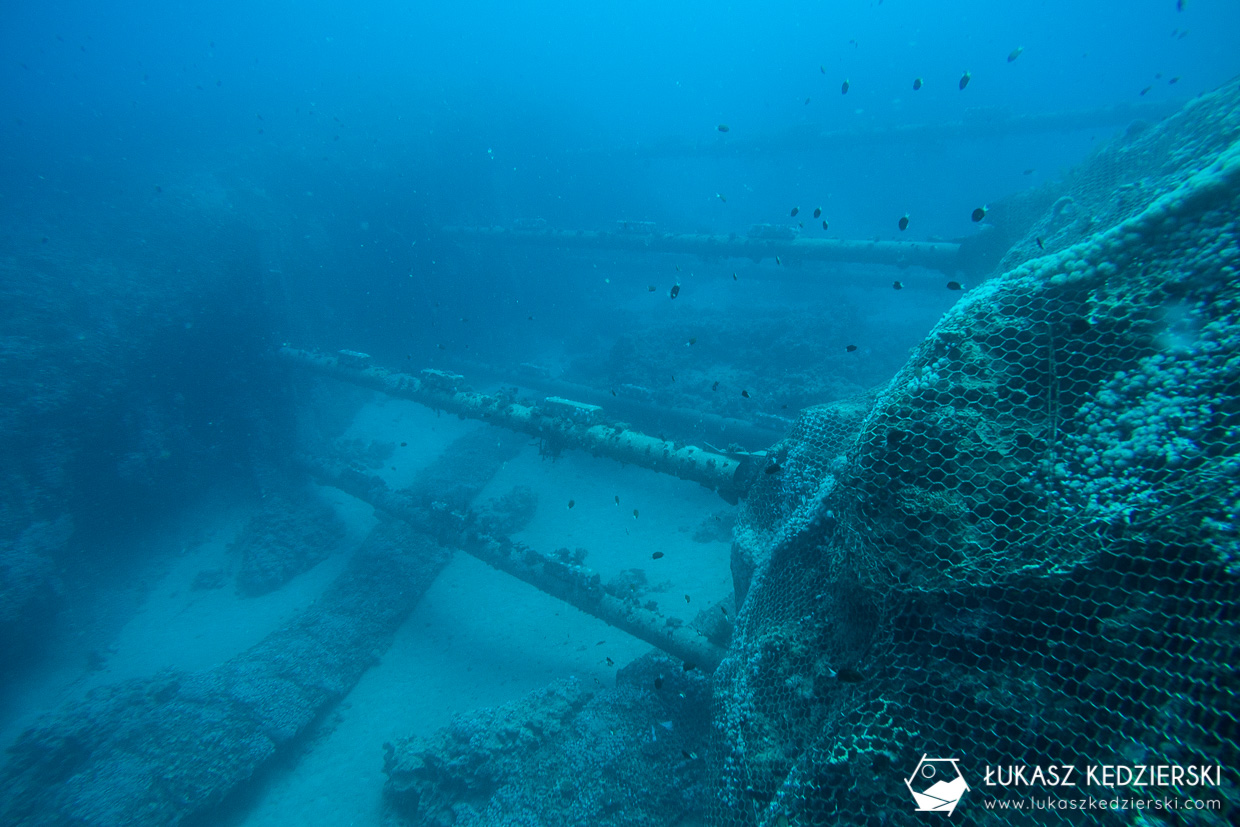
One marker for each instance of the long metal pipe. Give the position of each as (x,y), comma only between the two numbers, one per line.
(559,423)
(571,582)
(935,255)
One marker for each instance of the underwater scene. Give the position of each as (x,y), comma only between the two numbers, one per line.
(600,414)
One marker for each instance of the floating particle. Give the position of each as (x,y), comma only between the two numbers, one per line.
(964,80)
(656,555)
(675,291)
(723,127)
(903,224)
(916,84)
(817,212)
(850,348)
(897,285)
(844,87)
(1015,53)
(979,214)
(571,503)
(955,285)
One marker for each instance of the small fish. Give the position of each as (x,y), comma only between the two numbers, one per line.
(688,755)
(1175,79)
(675,291)
(404,445)
(734,277)
(677,268)
(723,127)
(773,468)
(634,513)
(794,212)
(1180,4)
(687,598)
(850,348)
(571,503)
(824,223)
(964,80)
(715,386)
(777,261)
(844,87)
(916,84)
(610,662)
(822,69)
(1041,244)
(721,197)
(658,682)
(617,499)
(651,289)
(725,611)
(1146,89)
(955,285)
(531,318)
(441,347)
(689,666)
(817,212)
(613,391)
(1015,53)
(745,394)
(656,555)
(1028,171)
(849,675)
(897,285)
(807,101)
(979,214)
(903,222)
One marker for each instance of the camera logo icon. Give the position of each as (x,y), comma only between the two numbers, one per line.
(937,784)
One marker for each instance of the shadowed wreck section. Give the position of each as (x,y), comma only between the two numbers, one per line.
(156,751)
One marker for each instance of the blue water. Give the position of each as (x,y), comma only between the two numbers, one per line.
(184,187)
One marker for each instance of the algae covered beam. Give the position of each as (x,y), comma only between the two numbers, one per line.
(766,242)
(560,423)
(564,579)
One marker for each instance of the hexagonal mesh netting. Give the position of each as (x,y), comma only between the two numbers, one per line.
(1027,552)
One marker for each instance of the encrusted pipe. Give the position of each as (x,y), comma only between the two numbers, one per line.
(563,579)
(561,423)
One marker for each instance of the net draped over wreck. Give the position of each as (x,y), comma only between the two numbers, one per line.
(1024,550)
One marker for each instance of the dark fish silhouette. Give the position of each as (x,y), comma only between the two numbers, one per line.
(964,80)
(571,503)
(723,127)
(979,214)
(955,285)
(817,212)
(675,291)
(844,88)
(656,555)
(794,212)
(903,223)
(1015,53)
(745,394)
(916,84)
(897,285)
(849,348)
(824,223)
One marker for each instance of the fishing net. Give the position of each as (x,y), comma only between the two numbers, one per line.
(1025,550)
